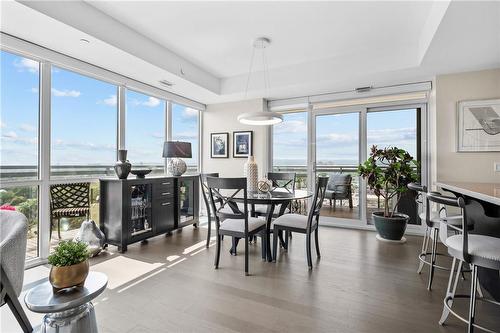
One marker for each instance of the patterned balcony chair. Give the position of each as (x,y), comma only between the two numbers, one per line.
(339,188)
(68,200)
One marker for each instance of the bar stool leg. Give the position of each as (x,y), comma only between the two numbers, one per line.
(472,305)
(435,233)
(452,287)
(425,246)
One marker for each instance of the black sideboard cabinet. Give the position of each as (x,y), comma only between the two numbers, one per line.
(133,210)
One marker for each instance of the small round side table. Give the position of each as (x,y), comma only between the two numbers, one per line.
(67,311)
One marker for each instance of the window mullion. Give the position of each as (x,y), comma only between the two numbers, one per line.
(44,160)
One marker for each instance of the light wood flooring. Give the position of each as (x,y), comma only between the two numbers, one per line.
(359,285)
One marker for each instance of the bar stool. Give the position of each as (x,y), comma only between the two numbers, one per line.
(433,222)
(475,250)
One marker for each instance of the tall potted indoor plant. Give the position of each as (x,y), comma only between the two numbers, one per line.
(388,172)
(70,265)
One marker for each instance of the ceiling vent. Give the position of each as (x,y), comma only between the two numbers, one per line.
(166,83)
(363,89)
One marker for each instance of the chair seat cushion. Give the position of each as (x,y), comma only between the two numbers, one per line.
(70,211)
(454,220)
(238,225)
(479,246)
(296,221)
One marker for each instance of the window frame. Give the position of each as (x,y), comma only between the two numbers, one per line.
(47,59)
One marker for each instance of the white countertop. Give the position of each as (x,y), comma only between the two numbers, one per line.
(489,192)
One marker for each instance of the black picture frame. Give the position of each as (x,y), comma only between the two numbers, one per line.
(222,148)
(242,144)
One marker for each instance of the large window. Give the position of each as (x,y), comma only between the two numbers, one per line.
(19,86)
(145,131)
(290,146)
(185,128)
(84,125)
(80,127)
(19,109)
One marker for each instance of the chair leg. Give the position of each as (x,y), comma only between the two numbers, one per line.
(217,253)
(316,241)
(19,313)
(275,243)
(263,246)
(50,232)
(246,254)
(350,201)
(288,234)
(308,250)
(330,203)
(472,304)
(452,287)
(425,246)
(209,231)
(235,241)
(59,228)
(435,232)
(280,237)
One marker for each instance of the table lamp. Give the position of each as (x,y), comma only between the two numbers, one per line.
(175,150)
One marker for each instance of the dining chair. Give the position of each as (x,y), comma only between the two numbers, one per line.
(232,206)
(237,223)
(301,223)
(280,181)
(433,220)
(474,249)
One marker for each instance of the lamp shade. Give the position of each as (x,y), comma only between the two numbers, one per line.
(177,149)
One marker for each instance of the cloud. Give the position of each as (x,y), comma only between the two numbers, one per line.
(112,100)
(34,90)
(190,113)
(27,128)
(61,144)
(185,136)
(10,135)
(290,126)
(2,124)
(65,93)
(158,135)
(26,64)
(392,135)
(151,102)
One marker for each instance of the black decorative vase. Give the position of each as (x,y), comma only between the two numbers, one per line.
(122,166)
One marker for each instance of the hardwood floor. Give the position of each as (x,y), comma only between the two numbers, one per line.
(359,285)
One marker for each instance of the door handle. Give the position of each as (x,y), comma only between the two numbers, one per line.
(165,203)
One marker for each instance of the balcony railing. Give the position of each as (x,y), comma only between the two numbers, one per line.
(14,172)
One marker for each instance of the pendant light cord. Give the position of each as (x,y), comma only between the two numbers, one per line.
(249,72)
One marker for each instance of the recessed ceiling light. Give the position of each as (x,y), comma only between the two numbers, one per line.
(83,40)
(166,83)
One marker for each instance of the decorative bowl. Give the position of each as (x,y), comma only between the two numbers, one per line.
(140,173)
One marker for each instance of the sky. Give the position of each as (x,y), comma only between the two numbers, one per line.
(337,136)
(84,124)
(83,119)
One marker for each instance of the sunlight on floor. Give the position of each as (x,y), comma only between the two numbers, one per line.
(121,270)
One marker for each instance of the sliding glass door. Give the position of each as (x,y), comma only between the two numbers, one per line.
(337,137)
(399,127)
(341,139)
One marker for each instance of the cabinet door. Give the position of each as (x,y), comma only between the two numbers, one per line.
(187,201)
(164,214)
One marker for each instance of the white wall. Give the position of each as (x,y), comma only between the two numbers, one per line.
(223,118)
(450,89)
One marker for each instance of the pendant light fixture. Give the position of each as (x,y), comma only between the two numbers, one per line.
(260,117)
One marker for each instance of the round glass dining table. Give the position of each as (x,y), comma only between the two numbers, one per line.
(272,199)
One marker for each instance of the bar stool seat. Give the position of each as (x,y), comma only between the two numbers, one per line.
(483,250)
(436,220)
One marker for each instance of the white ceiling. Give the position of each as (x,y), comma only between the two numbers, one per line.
(317,47)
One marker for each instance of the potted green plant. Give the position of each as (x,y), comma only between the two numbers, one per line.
(388,172)
(70,265)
